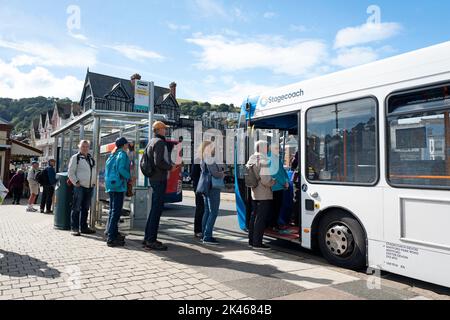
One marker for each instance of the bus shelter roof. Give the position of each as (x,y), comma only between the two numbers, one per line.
(112,117)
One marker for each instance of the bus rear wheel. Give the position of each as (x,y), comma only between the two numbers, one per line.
(342,240)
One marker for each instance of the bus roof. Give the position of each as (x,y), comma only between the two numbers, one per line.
(423,63)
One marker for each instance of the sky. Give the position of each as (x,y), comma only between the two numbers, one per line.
(216,50)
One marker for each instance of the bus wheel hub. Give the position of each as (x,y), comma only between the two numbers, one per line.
(339,240)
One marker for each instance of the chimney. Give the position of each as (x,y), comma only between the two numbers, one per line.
(133,79)
(173,89)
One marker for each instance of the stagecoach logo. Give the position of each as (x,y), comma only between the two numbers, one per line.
(264,101)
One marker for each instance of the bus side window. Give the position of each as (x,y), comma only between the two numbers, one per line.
(342,143)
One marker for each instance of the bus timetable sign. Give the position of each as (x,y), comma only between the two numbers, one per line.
(142,96)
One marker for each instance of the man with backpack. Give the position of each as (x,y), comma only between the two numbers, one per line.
(156,165)
(82,173)
(47,179)
(259,179)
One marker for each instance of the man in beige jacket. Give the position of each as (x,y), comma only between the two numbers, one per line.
(262,196)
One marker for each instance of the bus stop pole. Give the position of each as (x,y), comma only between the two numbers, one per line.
(96,153)
(151,111)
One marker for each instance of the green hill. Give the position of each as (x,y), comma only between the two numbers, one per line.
(21,112)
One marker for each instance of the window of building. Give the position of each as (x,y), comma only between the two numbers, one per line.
(341,145)
(418,138)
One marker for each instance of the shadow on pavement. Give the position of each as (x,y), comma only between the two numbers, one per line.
(16,265)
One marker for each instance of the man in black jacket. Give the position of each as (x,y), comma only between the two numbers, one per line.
(158,181)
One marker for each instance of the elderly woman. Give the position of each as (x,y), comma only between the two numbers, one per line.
(16,186)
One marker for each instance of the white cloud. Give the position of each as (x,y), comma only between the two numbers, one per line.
(135,53)
(37,82)
(269,15)
(211,8)
(178,27)
(355,56)
(236,93)
(78,36)
(45,54)
(295,58)
(297,28)
(366,33)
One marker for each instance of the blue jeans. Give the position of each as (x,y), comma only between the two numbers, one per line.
(212,204)
(115,211)
(159,191)
(80,208)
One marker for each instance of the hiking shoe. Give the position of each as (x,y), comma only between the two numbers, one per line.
(157,246)
(115,243)
(262,247)
(211,241)
(145,242)
(88,231)
(198,235)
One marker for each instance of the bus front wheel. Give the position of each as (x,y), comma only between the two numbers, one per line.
(342,240)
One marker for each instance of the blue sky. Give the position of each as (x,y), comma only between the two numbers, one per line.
(216,50)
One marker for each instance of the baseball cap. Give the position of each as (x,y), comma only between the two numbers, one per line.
(120,142)
(159,125)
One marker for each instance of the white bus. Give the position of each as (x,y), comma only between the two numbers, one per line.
(374,171)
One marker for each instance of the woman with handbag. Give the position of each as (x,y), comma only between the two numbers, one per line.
(210,185)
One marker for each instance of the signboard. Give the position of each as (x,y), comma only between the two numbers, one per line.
(142,96)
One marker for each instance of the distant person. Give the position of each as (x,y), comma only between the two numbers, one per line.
(199,201)
(282,184)
(33,185)
(262,196)
(82,173)
(48,182)
(117,175)
(211,194)
(16,186)
(159,152)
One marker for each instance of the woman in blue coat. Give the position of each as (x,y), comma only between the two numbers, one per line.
(282,184)
(117,175)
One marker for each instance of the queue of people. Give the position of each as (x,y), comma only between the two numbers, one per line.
(208,180)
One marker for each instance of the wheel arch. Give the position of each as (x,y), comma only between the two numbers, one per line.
(322,213)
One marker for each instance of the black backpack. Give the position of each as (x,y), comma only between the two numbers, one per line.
(147,163)
(42,178)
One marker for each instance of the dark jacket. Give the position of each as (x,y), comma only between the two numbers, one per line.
(163,164)
(195,174)
(50,175)
(17,181)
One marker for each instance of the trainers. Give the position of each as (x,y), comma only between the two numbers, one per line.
(31,210)
(262,247)
(198,235)
(115,243)
(88,231)
(145,242)
(211,241)
(157,246)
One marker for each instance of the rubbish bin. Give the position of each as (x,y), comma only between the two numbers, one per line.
(63,204)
